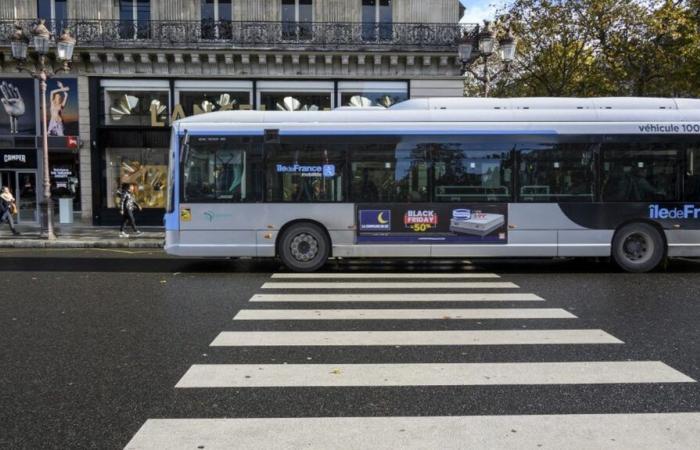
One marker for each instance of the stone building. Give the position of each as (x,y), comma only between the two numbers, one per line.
(139,64)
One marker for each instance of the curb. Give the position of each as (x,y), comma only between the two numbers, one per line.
(75,243)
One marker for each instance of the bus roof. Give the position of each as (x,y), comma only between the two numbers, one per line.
(496,112)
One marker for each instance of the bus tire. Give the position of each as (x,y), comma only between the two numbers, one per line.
(638,247)
(304,247)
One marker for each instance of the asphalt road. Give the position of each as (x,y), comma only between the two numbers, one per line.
(93,343)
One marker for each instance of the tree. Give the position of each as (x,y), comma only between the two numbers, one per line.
(604,47)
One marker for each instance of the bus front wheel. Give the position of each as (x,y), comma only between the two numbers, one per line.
(638,247)
(304,247)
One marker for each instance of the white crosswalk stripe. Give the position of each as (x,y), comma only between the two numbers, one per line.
(391,285)
(672,430)
(573,431)
(455,374)
(402,314)
(413,338)
(397,297)
(386,276)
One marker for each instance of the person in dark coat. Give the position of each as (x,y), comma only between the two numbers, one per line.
(126,206)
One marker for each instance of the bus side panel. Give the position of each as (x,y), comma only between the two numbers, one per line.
(227,229)
(596,243)
(683,243)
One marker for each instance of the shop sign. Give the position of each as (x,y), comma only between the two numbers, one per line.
(179,113)
(433,223)
(17,111)
(17,159)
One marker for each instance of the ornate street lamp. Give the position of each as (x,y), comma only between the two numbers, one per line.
(41,41)
(478,48)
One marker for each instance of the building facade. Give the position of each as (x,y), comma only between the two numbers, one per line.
(140,64)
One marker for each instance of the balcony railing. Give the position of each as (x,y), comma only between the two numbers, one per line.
(206,34)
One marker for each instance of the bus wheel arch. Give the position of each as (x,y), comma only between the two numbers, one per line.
(303,245)
(639,246)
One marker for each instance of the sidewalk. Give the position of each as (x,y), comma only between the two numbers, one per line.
(80,236)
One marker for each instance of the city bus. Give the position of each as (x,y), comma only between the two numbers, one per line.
(440,178)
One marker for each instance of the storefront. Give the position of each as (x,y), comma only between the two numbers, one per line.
(21,143)
(18,171)
(131,118)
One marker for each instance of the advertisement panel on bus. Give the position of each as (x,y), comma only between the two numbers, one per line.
(432,223)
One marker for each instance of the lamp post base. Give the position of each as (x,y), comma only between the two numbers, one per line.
(46,213)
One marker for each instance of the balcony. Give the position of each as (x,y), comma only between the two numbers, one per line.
(209,34)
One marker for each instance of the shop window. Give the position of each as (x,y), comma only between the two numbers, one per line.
(556,173)
(135,107)
(692,176)
(473,172)
(297,19)
(55,12)
(304,171)
(134,19)
(198,102)
(377,20)
(640,172)
(295,101)
(221,169)
(216,19)
(389,171)
(145,168)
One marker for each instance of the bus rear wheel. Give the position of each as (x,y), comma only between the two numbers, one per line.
(638,247)
(304,247)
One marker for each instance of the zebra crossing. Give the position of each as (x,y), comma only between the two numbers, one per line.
(310,299)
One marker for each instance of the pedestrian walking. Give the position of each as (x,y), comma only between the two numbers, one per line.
(8,207)
(127,205)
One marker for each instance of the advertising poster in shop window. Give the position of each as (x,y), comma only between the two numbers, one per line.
(17,107)
(433,223)
(62,106)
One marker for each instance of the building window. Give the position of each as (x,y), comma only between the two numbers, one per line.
(473,172)
(388,171)
(304,171)
(142,103)
(368,93)
(216,19)
(295,95)
(377,20)
(145,168)
(297,19)
(198,97)
(556,173)
(134,19)
(55,12)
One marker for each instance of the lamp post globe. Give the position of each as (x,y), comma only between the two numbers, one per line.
(65,46)
(486,40)
(19,44)
(41,38)
(507,47)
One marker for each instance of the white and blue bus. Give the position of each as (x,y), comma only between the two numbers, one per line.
(441,178)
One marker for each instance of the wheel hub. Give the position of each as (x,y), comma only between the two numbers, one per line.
(635,247)
(304,247)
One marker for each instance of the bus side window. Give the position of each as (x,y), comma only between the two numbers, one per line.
(692,175)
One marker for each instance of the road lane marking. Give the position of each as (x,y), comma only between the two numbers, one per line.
(638,431)
(397,297)
(403,314)
(409,338)
(445,374)
(362,276)
(390,285)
